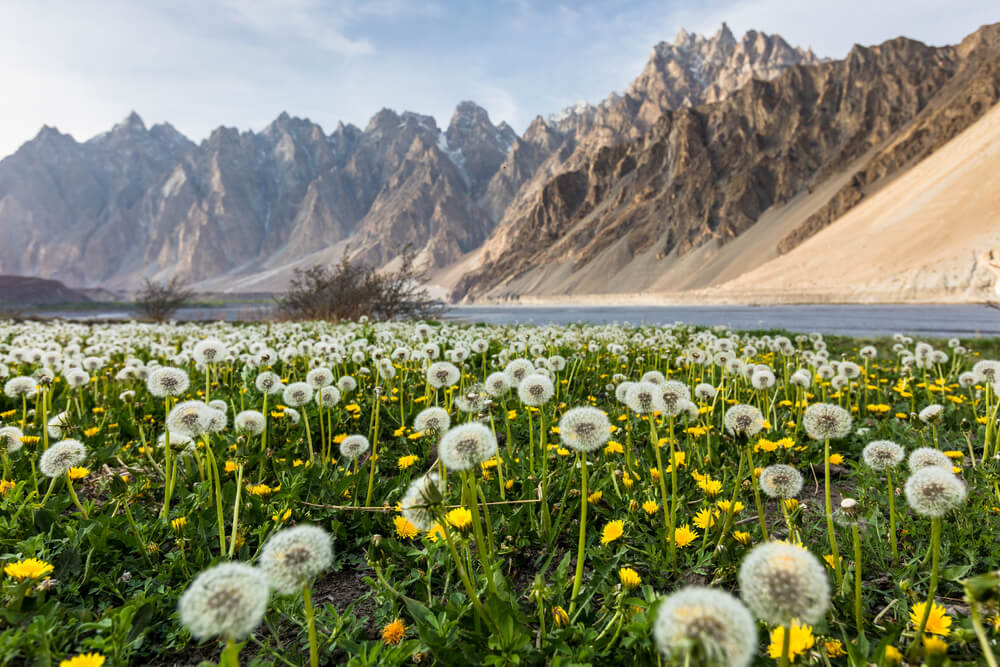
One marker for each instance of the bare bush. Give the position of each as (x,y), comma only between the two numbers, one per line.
(350,290)
(158,301)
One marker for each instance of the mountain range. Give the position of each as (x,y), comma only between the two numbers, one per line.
(722,156)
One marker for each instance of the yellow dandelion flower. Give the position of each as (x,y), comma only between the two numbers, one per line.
(83,660)
(935,645)
(560,616)
(404,528)
(613,447)
(836,459)
(394,632)
(595,497)
(435,533)
(627,481)
(741,536)
(405,462)
(650,507)
(5,486)
(723,506)
(260,490)
(612,531)
(834,648)
(893,655)
(704,519)
(938,622)
(178,523)
(281,516)
(684,536)
(630,578)
(78,472)
(459,518)
(711,487)
(230,467)
(29,568)
(92,431)
(801,641)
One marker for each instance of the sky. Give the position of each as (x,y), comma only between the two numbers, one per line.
(198,64)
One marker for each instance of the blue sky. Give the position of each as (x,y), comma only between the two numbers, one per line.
(198,64)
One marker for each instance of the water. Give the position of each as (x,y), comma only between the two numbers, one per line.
(963,321)
(855,320)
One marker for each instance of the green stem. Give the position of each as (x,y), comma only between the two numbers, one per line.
(76,501)
(311,625)
(892,518)
(829,514)
(932,587)
(977,625)
(581,545)
(756,492)
(786,643)
(857,578)
(236,510)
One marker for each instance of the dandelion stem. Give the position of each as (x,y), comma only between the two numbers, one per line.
(786,644)
(932,587)
(76,501)
(892,517)
(236,510)
(829,514)
(311,625)
(581,545)
(858,621)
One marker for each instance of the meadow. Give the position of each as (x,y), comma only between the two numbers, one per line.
(399,493)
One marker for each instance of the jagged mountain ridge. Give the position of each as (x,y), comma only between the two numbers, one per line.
(137,202)
(705,175)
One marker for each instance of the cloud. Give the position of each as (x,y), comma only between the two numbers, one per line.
(304,22)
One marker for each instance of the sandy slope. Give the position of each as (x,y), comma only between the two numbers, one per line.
(923,237)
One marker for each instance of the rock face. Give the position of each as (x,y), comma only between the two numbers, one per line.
(714,135)
(707,174)
(24,291)
(136,203)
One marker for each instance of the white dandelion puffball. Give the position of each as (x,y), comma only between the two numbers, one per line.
(76,378)
(293,557)
(442,374)
(467,445)
(346,384)
(61,456)
(209,351)
(219,404)
(188,418)
(473,399)
(535,390)
(432,420)
(167,381)
(931,414)
(783,582)
(214,421)
(584,429)
(644,398)
(10,439)
(250,421)
(745,420)
(329,396)
(656,377)
(673,394)
(319,377)
(781,481)
(926,457)
(934,491)
(292,415)
(19,386)
(497,384)
(826,420)
(354,446)
(704,392)
(58,424)
(268,382)
(297,394)
(715,621)
(518,369)
(180,443)
(420,494)
(227,600)
(882,454)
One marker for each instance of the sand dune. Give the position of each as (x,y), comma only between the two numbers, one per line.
(932,234)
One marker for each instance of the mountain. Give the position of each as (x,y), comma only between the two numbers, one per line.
(797,152)
(721,156)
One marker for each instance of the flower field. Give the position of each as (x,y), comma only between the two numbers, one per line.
(400,493)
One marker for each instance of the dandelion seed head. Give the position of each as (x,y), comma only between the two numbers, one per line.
(268,382)
(535,389)
(228,600)
(297,394)
(926,457)
(293,557)
(934,491)
(10,439)
(167,381)
(61,456)
(745,420)
(354,446)
(826,420)
(584,429)
(782,582)
(418,497)
(466,445)
(882,454)
(250,421)
(781,481)
(712,621)
(432,420)
(644,398)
